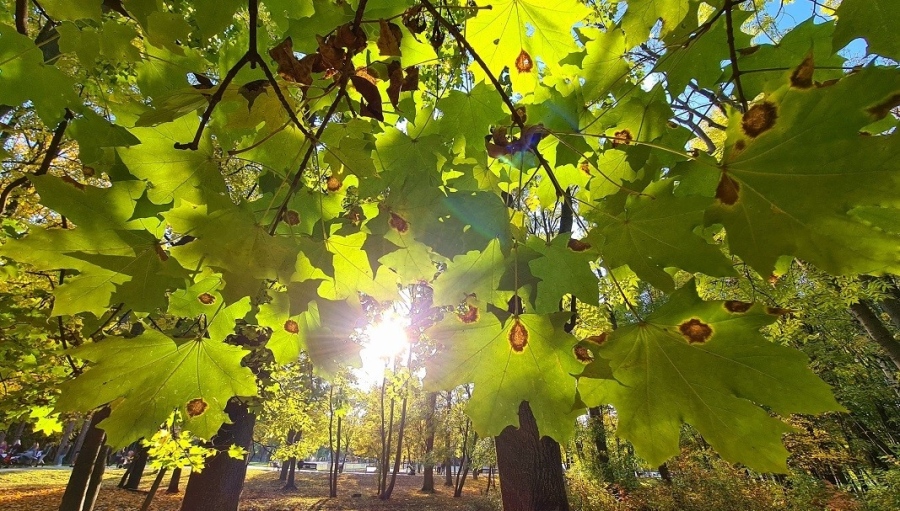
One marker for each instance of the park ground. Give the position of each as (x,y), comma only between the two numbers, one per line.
(41,489)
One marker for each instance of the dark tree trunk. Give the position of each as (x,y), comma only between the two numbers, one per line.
(136,471)
(76,448)
(530,467)
(291,483)
(64,443)
(219,485)
(428,479)
(463,462)
(175,481)
(665,474)
(876,330)
(390,488)
(448,469)
(155,486)
(93,489)
(285,465)
(599,434)
(336,461)
(80,478)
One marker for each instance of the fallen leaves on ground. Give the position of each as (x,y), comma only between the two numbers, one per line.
(42,490)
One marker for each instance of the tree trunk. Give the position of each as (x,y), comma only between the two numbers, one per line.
(448,470)
(175,481)
(20,429)
(464,461)
(387,492)
(530,467)
(93,489)
(153,488)
(336,461)
(64,443)
(291,484)
(73,453)
(219,485)
(285,465)
(876,330)
(428,479)
(80,478)
(599,434)
(136,471)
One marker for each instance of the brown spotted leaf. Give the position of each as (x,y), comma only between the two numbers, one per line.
(154,374)
(795,166)
(701,363)
(510,360)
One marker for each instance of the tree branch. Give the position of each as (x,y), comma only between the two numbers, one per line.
(517,119)
(49,156)
(295,181)
(22,17)
(732,51)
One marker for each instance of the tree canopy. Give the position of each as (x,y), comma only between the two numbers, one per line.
(208,186)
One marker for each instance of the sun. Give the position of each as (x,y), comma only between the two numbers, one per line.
(385,338)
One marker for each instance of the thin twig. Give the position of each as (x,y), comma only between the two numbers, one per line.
(732,51)
(517,119)
(213,101)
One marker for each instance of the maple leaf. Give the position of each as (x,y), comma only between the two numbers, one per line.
(705,364)
(510,360)
(147,377)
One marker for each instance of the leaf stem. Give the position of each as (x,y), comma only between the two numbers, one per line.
(732,51)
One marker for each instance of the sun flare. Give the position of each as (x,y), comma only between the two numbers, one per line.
(386,337)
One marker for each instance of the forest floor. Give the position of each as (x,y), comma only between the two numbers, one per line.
(42,489)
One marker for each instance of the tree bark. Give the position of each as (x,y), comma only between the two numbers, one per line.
(79,480)
(428,479)
(72,456)
(291,484)
(219,485)
(390,488)
(336,461)
(530,468)
(175,481)
(285,465)
(64,442)
(136,471)
(876,330)
(153,488)
(93,489)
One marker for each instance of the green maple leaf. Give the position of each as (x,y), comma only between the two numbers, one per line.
(172,173)
(697,59)
(795,165)
(525,358)
(501,36)
(808,39)
(46,422)
(288,332)
(330,325)
(27,78)
(604,64)
(147,377)
(476,273)
(876,20)
(654,231)
(562,270)
(705,364)
(469,115)
(643,14)
(230,241)
(352,271)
